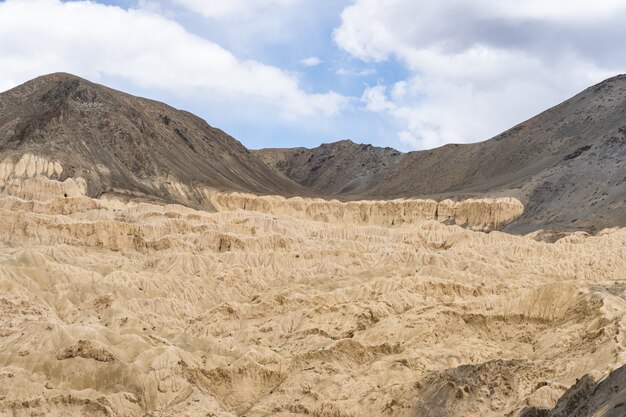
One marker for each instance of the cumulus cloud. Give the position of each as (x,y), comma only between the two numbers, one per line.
(145,49)
(480,66)
(311,61)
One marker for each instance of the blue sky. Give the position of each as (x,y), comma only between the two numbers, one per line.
(410,74)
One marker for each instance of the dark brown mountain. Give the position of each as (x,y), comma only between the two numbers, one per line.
(127,145)
(567,165)
(339,168)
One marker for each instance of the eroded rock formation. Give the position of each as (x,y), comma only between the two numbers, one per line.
(120,308)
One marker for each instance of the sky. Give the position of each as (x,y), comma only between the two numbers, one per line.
(409,74)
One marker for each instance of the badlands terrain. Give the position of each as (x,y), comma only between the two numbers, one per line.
(138,282)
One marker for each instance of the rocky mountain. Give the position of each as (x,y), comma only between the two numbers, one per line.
(126,145)
(339,168)
(567,165)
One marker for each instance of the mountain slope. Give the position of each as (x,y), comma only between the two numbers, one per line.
(567,165)
(127,145)
(342,167)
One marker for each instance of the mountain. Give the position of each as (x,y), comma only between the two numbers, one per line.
(567,165)
(339,168)
(127,145)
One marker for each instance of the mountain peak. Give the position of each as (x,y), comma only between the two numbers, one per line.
(120,143)
(55,78)
(618,77)
(566,165)
(59,76)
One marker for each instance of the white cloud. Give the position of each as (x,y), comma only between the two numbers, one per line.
(311,61)
(559,10)
(228,9)
(365,72)
(375,99)
(478,67)
(145,49)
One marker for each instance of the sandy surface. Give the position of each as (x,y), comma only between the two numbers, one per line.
(123,309)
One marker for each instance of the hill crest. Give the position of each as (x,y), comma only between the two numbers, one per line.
(567,165)
(127,145)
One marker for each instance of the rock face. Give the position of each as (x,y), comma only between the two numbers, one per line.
(120,144)
(35,178)
(566,165)
(589,398)
(484,214)
(85,349)
(117,308)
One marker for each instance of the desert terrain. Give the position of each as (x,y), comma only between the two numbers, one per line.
(150,265)
(294,307)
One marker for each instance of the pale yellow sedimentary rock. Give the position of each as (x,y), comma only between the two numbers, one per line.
(133,309)
(35,178)
(477,214)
